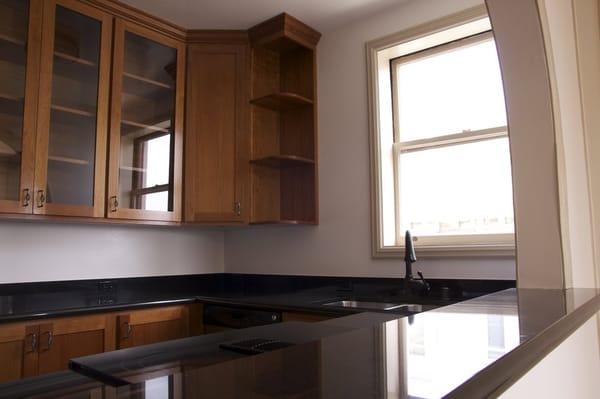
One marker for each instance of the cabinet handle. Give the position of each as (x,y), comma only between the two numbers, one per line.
(26,197)
(238,208)
(34,343)
(49,341)
(114,204)
(129,329)
(41,198)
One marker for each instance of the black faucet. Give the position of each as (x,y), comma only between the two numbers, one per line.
(412,285)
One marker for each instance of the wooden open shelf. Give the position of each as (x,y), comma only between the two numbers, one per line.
(69,160)
(132,169)
(63,56)
(10,97)
(283,161)
(149,81)
(283,64)
(72,111)
(12,40)
(74,60)
(282,101)
(135,126)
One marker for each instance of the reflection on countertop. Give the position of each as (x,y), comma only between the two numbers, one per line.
(464,347)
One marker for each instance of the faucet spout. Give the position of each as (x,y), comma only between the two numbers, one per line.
(409,253)
(412,284)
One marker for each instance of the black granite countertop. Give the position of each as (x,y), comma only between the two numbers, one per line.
(19,302)
(474,348)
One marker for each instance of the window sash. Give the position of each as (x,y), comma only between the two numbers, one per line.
(418,55)
(441,242)
(447,241)
(467,136)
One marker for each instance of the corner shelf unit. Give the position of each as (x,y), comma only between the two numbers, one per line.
(283,161)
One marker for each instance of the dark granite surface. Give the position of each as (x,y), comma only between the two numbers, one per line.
(41,300)
(474,348)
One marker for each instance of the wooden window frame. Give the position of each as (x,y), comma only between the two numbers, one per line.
(501,245)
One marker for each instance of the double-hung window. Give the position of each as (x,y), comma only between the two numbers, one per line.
(441,159)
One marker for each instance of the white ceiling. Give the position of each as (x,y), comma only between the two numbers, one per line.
(323,15)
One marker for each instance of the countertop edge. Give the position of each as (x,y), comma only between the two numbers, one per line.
(94,309)
(501,374)
(167,302)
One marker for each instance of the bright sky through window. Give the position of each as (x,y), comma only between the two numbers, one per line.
(453,175)
(157,172)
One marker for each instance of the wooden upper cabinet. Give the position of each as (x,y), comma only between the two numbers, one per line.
(217,133)
(20,35)
(146,127)
(72,115)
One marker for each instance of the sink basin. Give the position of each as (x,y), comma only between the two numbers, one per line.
(376,305)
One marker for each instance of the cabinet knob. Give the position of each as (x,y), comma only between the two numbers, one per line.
(238,208)
(41,198)
(26,197)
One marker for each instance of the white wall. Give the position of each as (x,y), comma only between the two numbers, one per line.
(341,244)
(569,371)
(47,251)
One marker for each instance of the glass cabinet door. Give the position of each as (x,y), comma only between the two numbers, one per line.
(146,125)
(73,110)
(20,34)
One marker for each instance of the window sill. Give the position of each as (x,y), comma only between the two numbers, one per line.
(444,251)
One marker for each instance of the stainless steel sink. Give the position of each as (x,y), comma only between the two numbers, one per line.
(377,305)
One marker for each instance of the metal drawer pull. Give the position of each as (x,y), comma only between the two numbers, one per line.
(50,340)
(34,343)
(129,330)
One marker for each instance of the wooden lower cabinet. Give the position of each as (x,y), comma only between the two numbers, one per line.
(149,326)
(64,339)
(29,349)
(18,351)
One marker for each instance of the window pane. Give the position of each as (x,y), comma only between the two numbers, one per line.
(456,190)
(449,92)
(156,201)
(158,152)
